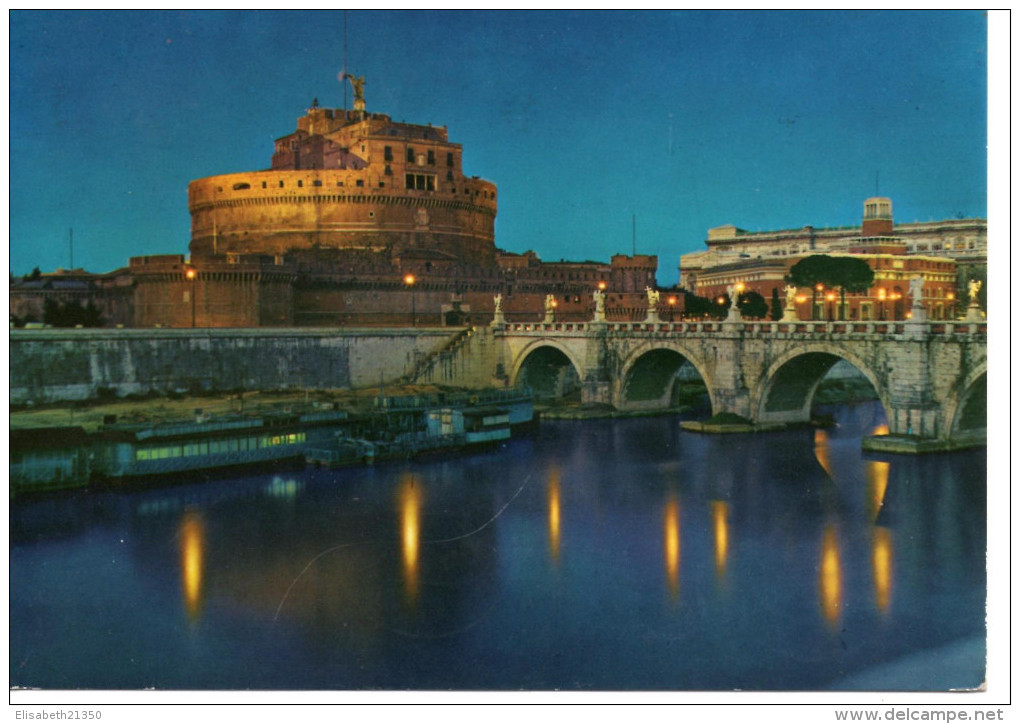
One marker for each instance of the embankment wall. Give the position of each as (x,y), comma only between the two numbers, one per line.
(51,365)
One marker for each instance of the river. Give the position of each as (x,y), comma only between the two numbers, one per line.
(598,555)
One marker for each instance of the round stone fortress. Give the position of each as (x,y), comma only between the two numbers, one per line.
(349,180)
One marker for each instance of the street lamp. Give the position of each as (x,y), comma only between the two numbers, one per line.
(602,286)
(951,296)
(191,274)
(409,281)
(895,297)
(831,297)
(881,304)
(672,306)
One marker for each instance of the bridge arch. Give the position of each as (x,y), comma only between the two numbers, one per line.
(547,366)
(787,387)
(967,407)
(648,373)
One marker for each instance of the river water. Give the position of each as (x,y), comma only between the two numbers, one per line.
(611,555)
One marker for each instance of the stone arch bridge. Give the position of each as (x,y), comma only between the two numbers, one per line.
(930,377)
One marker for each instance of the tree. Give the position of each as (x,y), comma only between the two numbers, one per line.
(696,306)
(71,314)
(847,273)
(752,305)
(777,307)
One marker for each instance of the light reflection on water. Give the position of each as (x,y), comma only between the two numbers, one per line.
(672,545)
(553,492)
(192,537)
(436,575)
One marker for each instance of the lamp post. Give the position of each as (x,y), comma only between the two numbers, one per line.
(191,274)
(830,297)
(895,296)
(819,288)
(881,305)
(672,307)
(800,299)
(409,280)
(951,296)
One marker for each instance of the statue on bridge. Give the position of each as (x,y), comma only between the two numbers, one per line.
(550,309)
(918,312)
(973,287)
(653,303)
(497,316)
(974,309)
(917,289)
(600,304)
(734,295)
(790,310)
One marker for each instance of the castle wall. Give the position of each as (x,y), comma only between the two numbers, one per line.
(62,365)
(273,212)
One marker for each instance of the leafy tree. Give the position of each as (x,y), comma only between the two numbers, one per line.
(847,273)
(71,314)
(752,305)
(777,307)
(696,306)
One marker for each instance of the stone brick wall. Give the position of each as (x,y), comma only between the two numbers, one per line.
(61,365)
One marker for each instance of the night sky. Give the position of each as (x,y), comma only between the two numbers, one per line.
(584,120)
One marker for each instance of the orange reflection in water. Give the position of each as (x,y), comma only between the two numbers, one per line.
(830,577)
(876,475)
(881,564)
(720,525)
(672,545)
(822,450)
(410,495)
(192,537)
(553,493)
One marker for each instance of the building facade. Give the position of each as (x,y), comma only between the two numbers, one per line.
(946,255)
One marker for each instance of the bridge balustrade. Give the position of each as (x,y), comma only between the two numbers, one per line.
(808,329)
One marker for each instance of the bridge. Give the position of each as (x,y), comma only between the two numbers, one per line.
(931,377)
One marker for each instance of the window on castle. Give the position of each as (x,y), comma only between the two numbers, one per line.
(382,184)
(410,154)
(432,157)
(281,184)
(420,181)
(388,171)
(449,159)
(360,183)
(388,153)
(317,182)
(300,183)
(263,184)
(241,186)
(449,177)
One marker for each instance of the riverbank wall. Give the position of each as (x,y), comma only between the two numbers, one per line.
(63,365)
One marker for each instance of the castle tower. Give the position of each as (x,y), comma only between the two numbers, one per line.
(354,181)
(878,219)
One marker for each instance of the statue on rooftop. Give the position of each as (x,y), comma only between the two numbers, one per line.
(358,84)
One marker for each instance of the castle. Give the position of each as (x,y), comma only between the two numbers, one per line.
(359,220)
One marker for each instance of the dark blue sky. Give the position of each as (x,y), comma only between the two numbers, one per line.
(686,120)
